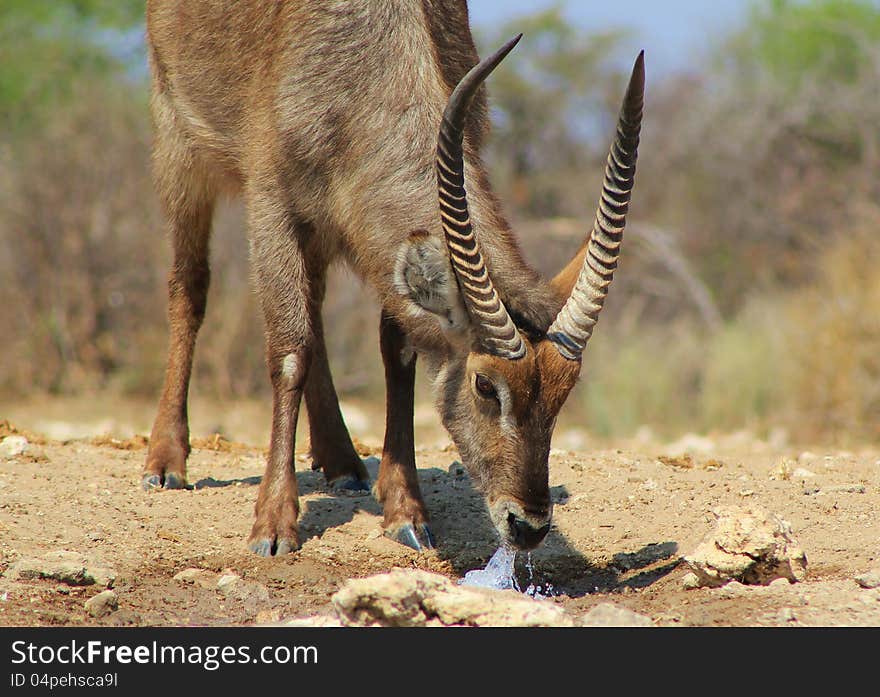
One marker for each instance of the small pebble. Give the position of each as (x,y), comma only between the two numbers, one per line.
(845,489)
(871,579)
(102,604)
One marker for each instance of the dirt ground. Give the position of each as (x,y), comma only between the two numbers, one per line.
(625,514)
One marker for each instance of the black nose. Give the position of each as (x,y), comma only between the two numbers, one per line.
(523,534)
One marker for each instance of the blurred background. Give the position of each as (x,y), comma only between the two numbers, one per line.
(748,296)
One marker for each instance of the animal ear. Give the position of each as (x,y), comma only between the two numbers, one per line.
(423,274)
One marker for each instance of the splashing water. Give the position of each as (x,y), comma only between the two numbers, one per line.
(499,575)
(540,592)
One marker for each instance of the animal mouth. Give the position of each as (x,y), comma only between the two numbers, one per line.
(519,530)
(523,535)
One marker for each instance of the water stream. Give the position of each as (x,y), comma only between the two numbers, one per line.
(499,575)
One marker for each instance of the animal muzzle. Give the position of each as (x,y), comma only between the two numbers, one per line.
(519,529)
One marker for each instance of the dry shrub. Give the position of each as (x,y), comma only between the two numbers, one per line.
(79,234)
(833,338)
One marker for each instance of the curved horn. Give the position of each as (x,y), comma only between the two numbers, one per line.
(573,325)
(496,331)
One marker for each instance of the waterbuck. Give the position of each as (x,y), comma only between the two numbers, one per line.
(324,115)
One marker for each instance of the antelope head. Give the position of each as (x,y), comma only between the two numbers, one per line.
(500,395)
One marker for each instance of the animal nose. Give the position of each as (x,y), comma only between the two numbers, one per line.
(523,534)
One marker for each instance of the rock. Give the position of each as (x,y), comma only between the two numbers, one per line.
(843,489)
(749,546)
(199,577)
(733,589)
(871,579)
(234,586)
(13,446)
(610,615)
(414,598)
(272,616)
(802,473)
(102,604)
(314,621)
(690,581)
(68,567)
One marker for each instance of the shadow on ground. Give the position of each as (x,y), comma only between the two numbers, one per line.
(466,538)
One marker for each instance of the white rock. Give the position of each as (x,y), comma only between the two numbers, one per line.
(233,586)
(13,446)
(313,621)
(412,597)
(871,579)
(844,489)
(102,604)
(199,577)
(690,581)
(68,567)
(749,546)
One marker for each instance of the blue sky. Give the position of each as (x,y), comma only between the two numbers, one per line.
(674,33)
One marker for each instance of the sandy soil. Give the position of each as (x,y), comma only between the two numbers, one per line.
(623,518)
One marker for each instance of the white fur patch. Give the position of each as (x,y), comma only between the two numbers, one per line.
(289,366)
(505,399)
(407,354)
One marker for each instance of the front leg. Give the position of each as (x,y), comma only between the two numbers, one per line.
(275,530)
(284,288)
(397,488)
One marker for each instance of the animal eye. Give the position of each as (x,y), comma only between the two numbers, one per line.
(485,387)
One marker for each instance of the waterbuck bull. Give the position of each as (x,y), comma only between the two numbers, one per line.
(324,115)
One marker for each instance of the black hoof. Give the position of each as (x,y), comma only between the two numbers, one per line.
(350,484)
(408,535)
(262,548)
(151,481)
(174,481)
(154,482)
(271,548)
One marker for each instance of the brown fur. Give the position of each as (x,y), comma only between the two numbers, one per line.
(324,114)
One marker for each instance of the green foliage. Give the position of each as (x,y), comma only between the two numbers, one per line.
(47,47)
(821,39)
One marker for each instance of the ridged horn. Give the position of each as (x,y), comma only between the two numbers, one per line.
(495,330)
(574,324)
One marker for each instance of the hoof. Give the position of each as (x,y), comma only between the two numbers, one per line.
(174,481)
(272,548)
(418,539)
(153,482)
(350,484)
